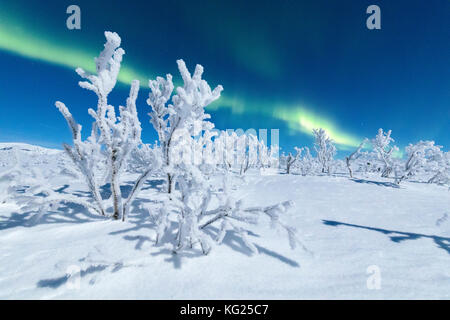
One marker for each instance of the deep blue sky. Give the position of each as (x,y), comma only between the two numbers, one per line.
(284,64)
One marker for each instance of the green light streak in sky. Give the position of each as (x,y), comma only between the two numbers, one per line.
(16,39)
(297,118)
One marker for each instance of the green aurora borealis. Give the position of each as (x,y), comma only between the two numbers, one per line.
(259,54)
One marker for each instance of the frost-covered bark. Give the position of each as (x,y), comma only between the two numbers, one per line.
(381,145)
(113,136)
(325,149)
(354,156)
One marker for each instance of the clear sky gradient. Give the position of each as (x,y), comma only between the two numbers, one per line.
(288,65)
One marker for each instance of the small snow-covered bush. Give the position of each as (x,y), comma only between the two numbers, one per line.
(190,149)
(290,159)
(185,111)
(440,168)
(113,136)
(381,145)
(325,149)
(354,156)
(307,163)
(418,156)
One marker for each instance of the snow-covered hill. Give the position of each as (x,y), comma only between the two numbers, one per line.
(26,155)
(369,238)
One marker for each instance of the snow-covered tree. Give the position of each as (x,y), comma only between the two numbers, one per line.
(417,156)
(440,168)
(267,156)
(325,149)
(225,146)
(306,163)
(186,109)
(354,156)
(381,145)
(113,136)
(248,147)
(188,139)
(291,159)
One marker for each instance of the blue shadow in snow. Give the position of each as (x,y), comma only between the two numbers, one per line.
(378,183)
(397,236)
(57,282)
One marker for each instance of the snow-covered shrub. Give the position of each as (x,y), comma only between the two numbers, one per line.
(381,145)
(368,163)
(267,157)
(113,136)
(185,111)
(274,156)
(253,153)
(290,159)
(440,168)
(250,153)
(307,163)
(418,156)
(141,156)
(190,148)
(225,146)
(325,149)
(354,156)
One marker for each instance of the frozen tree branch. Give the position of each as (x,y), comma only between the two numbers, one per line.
(353,156)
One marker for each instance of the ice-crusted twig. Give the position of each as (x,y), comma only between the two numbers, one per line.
(273,212)
(353,156)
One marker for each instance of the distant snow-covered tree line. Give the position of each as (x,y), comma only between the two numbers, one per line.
(423,159)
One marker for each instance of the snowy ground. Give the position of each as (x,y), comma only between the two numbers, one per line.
(349,225)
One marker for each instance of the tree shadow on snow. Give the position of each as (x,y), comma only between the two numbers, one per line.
(231,240)
(397,236)
(67,212)
(235,242)
(59,281)
(378,183)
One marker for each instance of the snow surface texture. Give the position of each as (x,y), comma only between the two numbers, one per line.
(369,237)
